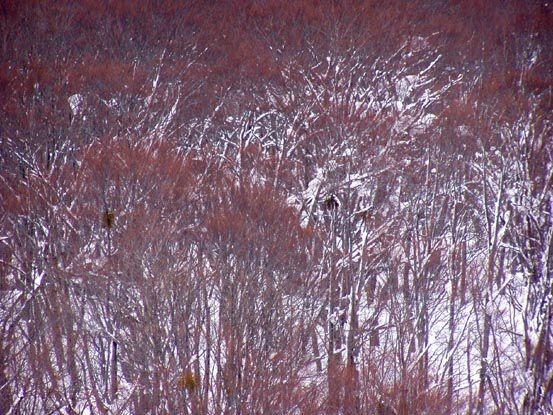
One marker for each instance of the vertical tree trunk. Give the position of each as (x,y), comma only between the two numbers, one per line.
(484,348)
(6,399)
(351,393)
(113,375)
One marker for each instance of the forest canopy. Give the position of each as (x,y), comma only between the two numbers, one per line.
(276,207)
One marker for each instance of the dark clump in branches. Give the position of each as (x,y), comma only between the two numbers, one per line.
(108,219)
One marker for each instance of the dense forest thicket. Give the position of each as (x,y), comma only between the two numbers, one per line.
(276,207)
